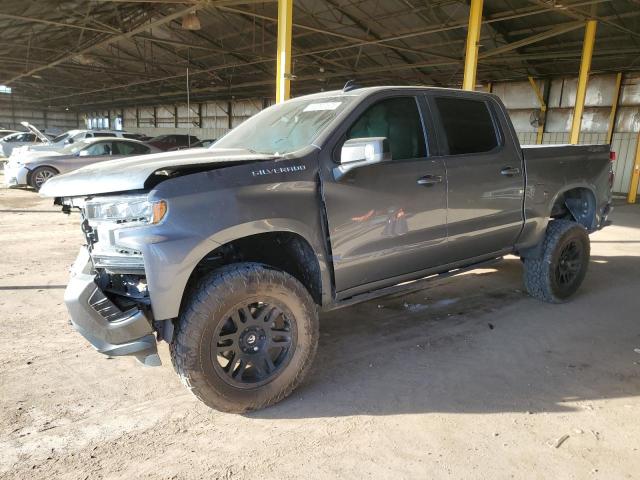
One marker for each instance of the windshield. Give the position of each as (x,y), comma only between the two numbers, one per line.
(286,127)
(60,138)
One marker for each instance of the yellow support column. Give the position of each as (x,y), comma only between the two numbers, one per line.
(473,39)
(614,107)
(583,79)
(283,80)
(543,109)
(635,175)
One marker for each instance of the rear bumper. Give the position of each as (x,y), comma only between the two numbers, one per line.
(110,330)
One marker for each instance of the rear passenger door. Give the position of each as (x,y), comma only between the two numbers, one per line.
(484,173)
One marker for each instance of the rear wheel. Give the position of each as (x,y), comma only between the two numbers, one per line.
(40,175)
(246,338)
(559,271)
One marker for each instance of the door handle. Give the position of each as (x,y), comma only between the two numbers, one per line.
(510,171)
(429,180)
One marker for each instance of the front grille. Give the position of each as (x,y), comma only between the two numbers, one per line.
(107,309)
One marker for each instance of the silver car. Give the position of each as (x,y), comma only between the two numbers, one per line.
(62,140)
(13,140)
(37,169)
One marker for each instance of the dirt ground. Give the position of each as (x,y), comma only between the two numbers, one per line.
(468,378)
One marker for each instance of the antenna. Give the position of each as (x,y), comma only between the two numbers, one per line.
(350,85)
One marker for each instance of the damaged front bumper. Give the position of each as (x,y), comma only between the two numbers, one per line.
(15,175)
(109,329)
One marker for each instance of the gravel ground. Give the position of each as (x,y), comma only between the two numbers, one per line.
(468,378)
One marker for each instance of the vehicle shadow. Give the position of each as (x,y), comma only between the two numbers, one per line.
(477,343)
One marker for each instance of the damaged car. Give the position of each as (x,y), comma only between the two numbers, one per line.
(230,253)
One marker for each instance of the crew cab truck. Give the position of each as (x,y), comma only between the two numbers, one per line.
(230,253)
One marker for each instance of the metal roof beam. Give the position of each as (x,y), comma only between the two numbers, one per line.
(552,32)
(139,29)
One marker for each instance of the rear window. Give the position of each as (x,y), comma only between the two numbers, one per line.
(467,124)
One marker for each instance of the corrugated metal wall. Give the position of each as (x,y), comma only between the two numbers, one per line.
(211,119)
(524,107)
(46,119)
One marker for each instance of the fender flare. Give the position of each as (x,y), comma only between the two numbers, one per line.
(275,225)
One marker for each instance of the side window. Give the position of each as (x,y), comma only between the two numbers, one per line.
(104,134)
(123,148)
(129,148)
(398,119)
(140,149)
(467,125)
(99,148)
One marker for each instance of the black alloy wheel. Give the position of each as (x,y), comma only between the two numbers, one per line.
(253,344)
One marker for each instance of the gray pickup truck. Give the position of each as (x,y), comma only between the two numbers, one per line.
(230,253)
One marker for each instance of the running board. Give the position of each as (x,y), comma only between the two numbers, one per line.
(410,286)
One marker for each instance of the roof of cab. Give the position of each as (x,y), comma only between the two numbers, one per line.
(365,91)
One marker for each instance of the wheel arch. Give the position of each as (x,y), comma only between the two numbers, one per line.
(32,170)
(576,202)
(530,242)
(276,243)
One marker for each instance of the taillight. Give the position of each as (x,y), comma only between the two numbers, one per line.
(612,156)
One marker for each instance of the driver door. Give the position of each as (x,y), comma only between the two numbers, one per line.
(96,152)
(388,220)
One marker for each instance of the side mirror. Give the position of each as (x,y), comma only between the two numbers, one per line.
(68,141)
(358,152)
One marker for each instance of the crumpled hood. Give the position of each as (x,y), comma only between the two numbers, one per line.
(131,173)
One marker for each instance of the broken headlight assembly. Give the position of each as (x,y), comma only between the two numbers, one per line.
(125,209)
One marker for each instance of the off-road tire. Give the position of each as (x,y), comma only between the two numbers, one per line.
(50,172)
(541,274)
(214,295)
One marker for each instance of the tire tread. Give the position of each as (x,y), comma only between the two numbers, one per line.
(185,345)
(537,271)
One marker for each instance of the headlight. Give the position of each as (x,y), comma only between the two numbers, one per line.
(126,209)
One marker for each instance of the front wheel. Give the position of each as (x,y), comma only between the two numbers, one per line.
(246,338)
(40,175)
(562,266)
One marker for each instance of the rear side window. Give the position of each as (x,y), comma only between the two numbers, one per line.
(99,148)
(467,124)
(137,148)
(130,148)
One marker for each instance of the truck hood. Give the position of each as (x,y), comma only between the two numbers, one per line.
(131,173)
